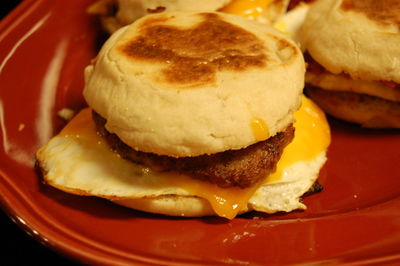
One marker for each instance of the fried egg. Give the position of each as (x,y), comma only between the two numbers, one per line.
(79,161)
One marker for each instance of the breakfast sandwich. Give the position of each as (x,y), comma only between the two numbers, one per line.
(115,14)
(354,60)
(193,114)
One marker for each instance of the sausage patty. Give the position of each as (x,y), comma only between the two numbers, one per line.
(232,168)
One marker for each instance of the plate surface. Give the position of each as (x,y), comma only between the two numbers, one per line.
(45,46)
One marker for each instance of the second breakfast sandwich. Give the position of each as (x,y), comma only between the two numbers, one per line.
(193,114)
(354,64)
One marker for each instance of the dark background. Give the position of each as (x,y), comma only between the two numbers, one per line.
(18,248)
(7,5)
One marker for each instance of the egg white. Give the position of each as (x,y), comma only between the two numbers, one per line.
(79,165)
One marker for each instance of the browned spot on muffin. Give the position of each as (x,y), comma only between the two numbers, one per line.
(193,56)
(385,12)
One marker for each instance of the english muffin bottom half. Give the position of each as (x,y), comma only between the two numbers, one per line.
(354,60)
(193,114)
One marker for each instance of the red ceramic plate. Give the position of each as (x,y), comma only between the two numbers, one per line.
(45,45)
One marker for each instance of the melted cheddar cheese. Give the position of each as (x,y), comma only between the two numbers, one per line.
(251,9)
(312,136)
(260,129)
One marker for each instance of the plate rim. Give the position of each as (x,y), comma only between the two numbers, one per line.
(51,238)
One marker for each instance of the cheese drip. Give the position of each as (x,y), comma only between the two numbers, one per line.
(312,137)
(260,129)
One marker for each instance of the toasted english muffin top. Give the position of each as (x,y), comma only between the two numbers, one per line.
(186,84)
